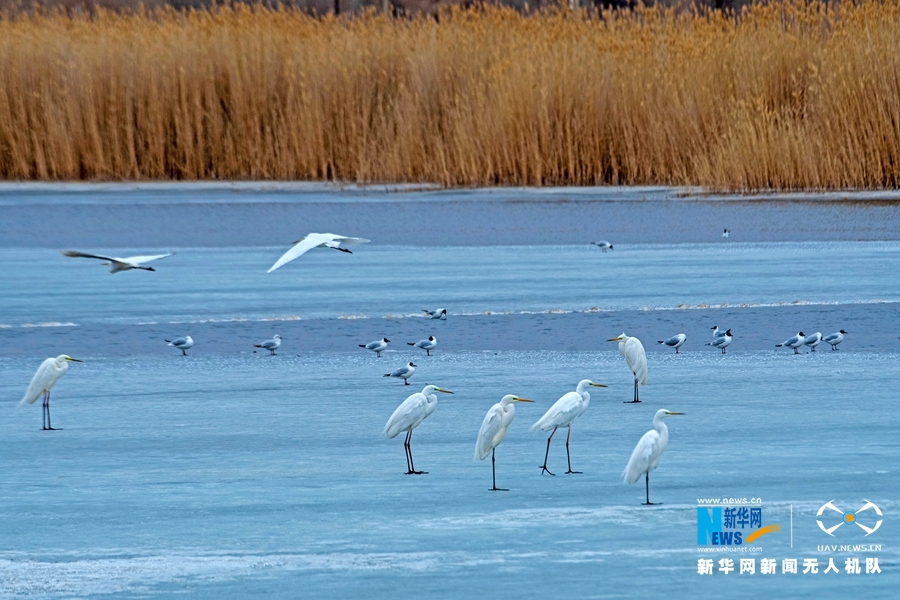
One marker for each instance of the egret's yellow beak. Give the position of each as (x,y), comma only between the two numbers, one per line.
(598,385)
(444,391)
(517,399)
(70,359)
(673,414)
(615,339)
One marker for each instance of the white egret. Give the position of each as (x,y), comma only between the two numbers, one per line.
(270,345)
(404,372)
(562,414)
(43,381)
(835,338)
(377,346)
(676,341)
(426,345)
(493,430)
(793,342)
(182,343)
(633,351)
(410,415)
(438,313)
(813,340)
(649,450)
(603,245)
(721,341)
(316,240)
(120,264)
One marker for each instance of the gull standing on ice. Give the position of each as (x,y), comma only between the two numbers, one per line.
(793,342)
(835,338)
(813,340)
(603,245)
(493,430)
(633,351)
(649,451)
(409,415)
(270,345)
(377,346)
(120,264)
(43,381)
(721,341)
(426,345)
(404,372)
(676,341)
(438,313)
(316,240)
(182,343)
(726,234)
(562,414)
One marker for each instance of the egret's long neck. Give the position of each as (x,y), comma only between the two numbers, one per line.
(662,429)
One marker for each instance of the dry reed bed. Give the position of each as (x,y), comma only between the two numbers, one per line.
(784,97)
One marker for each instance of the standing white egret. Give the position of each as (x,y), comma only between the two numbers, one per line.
(43,381)
(377,346)
(316,240)
(493,430)
(426,345)
(603,245)
(633,351)
(793,342)
(410,415)
(438,313)
(721,341)
(835,338)
(182,343)
(404,372)
(649,450)
(270,345)
(676,341)
(813,340)
(119,264)
(562,414)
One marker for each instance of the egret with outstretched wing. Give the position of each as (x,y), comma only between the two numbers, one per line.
(316,240)
(120,264)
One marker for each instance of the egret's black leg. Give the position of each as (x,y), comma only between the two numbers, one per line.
(44,412)
(406,452)
(547,453)
(494,474)
(568,459)
(636,399)
(647,481)
(412,467)
(47,401)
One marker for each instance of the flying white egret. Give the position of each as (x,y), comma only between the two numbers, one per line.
(404,372)
(316,240)
(426,345)
(493,430)
(603,245)
(410,415)
(120,264)
(649,450)
(793,342)
(438,313)
(43,381)
(676,341)
(633,351)
(270,345)
(377,346)
(813,340)
(182,343)
(562,414)
(835,338)
(721,341)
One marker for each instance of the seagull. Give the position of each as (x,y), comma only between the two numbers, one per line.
(603,245)
(316,240)
(835,338)
(676,341)
(633,351)
(438,313)
(182,343)
(119,264)
(562,414)
(270,345)
(43,381)
(726,234)
(813,340)
(403,373)
(721,342)
(793,342)
(717,332)
(426,345)
(377,346)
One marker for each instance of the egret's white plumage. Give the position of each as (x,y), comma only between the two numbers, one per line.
(834,339)
(426,345)
(649,450)
(438,313)
(633,351)
(793,342)
(562,414)
(182,343)
(813,340)
(43,381)
(270,345)
(493,430)
(316,240)
(603,245)
(676,341)
(377,346)
(404,372)
(409,415)
(721,341)
(120,264)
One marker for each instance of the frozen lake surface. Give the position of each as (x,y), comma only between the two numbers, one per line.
(234,474)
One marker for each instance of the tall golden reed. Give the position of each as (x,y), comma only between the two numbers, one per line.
(786,96)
